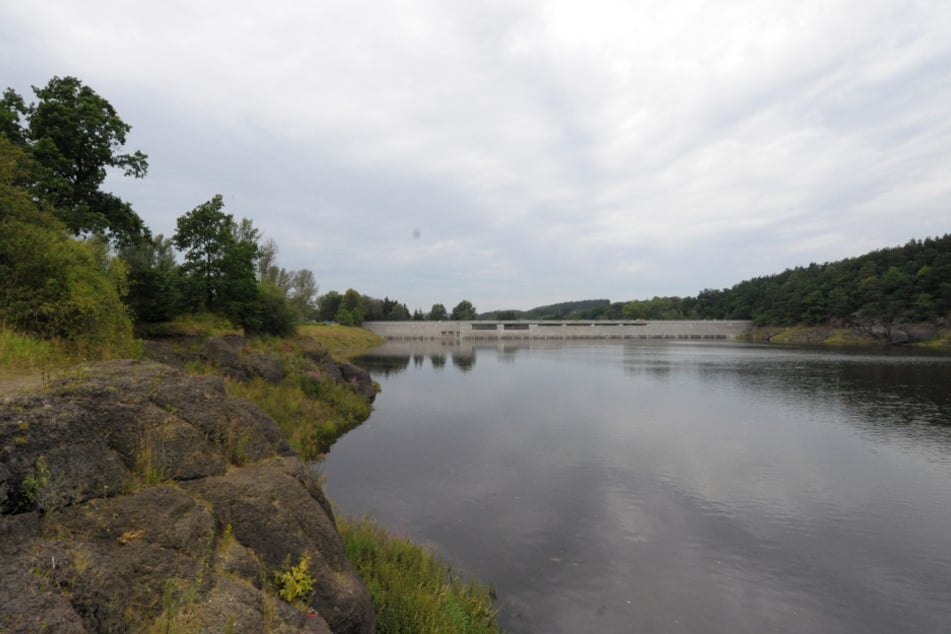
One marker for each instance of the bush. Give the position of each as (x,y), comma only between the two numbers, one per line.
(52,285)
(275,314)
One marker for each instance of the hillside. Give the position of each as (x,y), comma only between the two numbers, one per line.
(904,284)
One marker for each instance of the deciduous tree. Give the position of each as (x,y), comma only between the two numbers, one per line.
(74,135)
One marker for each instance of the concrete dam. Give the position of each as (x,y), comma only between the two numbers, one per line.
(568,329)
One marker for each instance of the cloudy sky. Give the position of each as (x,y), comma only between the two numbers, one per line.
(517,153)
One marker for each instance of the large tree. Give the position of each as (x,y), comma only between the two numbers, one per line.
(219,267)
(74,135)
(463,311)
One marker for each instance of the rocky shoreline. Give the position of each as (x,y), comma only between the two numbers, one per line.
(874,333)
(135,497)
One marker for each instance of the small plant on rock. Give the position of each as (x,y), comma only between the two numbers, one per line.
(294,583)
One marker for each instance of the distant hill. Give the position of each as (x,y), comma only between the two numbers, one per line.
(563,310)
(910,283)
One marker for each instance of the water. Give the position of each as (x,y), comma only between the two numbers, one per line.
(668,487)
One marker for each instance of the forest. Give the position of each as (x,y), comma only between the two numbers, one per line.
(909,283)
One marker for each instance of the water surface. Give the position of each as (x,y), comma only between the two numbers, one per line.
(668,487)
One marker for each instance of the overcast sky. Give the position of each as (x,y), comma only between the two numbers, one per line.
(518,153)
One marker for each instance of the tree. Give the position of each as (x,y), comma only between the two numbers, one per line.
(52,285)
(74,135)
(303,293)
(438,313)
(219,269)
(463,311)
(154,280)
(353,306)
(328,305)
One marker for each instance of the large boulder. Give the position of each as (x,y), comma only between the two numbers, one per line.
(135,497)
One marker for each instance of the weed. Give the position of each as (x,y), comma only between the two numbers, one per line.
(294,583)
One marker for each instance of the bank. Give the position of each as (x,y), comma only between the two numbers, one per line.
(148,496)
(869,333)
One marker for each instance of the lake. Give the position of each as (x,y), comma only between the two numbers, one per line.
(668,486)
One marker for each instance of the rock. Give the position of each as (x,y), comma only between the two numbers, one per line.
(359,378)
(266,365)
(137,498)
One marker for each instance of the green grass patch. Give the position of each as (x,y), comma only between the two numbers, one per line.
(313,415)
(412,589)
(848,337)
(198,325)
(943,340)
(24,353)
(343,342)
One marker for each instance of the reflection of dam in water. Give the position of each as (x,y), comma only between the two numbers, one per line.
(629,329)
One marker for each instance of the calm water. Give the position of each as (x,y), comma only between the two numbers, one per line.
(669,487)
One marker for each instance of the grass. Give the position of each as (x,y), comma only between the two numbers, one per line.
(22,353)
(343,342)
(413,590)
(311,418)
(942,341)
(198,325)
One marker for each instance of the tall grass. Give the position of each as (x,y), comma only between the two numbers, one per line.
(23,353)
(412,589)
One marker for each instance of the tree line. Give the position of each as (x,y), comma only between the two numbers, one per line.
(352,309)
(909,283)
(77,262)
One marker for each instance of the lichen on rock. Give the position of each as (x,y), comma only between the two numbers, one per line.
(134,496)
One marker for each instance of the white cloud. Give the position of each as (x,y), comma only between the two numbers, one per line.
(530,139)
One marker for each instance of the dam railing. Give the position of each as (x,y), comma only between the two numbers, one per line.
(560,329)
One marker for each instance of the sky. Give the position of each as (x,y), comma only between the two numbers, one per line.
(519,153)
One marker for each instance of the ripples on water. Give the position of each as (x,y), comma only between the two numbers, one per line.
(669,487)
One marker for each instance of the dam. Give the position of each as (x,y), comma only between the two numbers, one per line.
(560,329)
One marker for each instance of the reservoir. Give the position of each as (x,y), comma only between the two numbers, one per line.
(674,486)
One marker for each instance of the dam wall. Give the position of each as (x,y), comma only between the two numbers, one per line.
(539,329)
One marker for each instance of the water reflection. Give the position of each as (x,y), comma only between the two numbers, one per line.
(679,487)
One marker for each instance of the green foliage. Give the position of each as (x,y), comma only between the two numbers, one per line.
(911,282)
(275,313)
(52,285)
(155,283)
(23,352)
(328,305)
(344,317)
(219,269)
(74,135)
(438,313)
(295,583)
(463,311)
(313,411)
(413,590)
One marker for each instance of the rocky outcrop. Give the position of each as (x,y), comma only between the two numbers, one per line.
(229,355)
(136,497)
(898,333)
(869,332)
